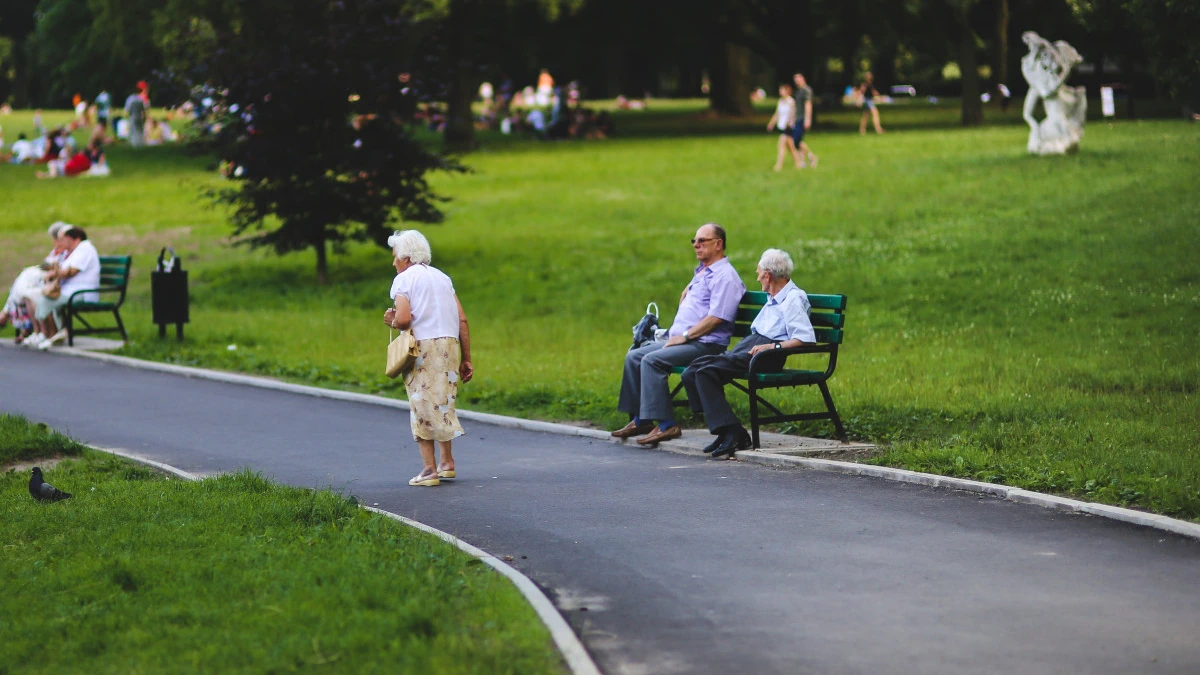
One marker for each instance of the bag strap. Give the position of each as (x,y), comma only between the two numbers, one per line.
(655,306)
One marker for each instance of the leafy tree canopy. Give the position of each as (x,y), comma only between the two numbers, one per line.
(311,101)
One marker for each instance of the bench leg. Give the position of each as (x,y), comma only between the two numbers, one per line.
(70,328)
(833,413)
(120,326)
(753,417)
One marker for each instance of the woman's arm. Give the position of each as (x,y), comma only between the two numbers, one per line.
(465,369)
(402,316)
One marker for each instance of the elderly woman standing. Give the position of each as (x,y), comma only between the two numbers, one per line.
(426,304)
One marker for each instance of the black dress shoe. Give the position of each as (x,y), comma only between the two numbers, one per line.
(744,442)
(727,447)
(715,444)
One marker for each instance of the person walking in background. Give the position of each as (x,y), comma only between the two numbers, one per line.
(782,323)
(103,106)
(784,120)
(703,326)
(426,304)
(803,97)
(867,93)
(135,109)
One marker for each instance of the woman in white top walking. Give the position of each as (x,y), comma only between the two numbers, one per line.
(426,304)
(783,120)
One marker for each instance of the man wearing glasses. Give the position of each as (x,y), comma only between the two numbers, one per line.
(703,326)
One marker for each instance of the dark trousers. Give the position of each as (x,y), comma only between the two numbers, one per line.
(706,377)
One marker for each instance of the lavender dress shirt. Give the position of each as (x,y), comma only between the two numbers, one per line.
(716,291)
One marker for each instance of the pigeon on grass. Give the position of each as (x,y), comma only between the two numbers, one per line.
(43,491)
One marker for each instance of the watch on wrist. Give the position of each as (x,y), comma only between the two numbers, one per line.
(686,336)
(778,345)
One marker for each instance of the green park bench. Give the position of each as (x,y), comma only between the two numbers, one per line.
(114,277)
(828,319)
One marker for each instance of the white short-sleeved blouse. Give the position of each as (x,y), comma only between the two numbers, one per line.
(431,296)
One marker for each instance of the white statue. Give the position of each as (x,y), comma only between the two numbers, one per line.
(1045,68)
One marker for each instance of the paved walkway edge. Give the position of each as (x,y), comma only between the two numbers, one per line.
(569,645)
(1165,523)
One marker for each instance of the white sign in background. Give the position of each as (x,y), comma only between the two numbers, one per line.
(1107,108)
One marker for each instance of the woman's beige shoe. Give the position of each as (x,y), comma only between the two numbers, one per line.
(446,473)
(425,480)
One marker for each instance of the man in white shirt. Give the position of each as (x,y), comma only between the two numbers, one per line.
(22,150)
(80,271)
(782,323)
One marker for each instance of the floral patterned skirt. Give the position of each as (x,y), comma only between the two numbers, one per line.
(432,387)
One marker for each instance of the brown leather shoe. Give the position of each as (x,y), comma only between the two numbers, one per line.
(655,437)
(632,429)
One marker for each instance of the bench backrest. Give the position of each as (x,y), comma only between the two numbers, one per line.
(828,315)
(114,269)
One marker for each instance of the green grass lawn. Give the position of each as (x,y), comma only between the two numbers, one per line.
(1030,321)
(144,573)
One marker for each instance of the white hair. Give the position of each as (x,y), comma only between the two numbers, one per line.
(777,263)
(412,245)
(57,228)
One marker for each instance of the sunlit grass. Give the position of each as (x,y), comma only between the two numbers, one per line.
(140,572)
(1027,320)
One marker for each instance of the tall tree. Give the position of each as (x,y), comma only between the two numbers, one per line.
(17,23)
(968,62)
(312,124)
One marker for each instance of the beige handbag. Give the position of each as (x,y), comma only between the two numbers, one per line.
(402,353)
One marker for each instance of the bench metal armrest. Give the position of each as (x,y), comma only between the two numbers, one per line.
(755,365)
(102,289)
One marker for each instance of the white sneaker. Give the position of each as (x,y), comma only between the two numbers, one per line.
(52,340)
(33,340)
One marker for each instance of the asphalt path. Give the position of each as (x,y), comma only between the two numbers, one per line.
(667,563)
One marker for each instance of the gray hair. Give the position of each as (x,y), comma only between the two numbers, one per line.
(777,263)
(410,244)
(57,228)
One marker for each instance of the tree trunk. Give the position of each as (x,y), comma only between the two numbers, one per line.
(1000,66)
(972,106)
(460,121)
(729,88)
(21,60)
(322,262)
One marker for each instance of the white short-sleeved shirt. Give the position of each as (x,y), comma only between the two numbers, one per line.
(785,113)
(431,297)
(86,259)
(785,316)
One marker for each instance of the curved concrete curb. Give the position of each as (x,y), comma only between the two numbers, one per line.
(1167,524)
(569,645)
(1012,494)
(577,658)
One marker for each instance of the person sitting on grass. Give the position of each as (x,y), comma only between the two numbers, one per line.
(80,271)
(79,163)
(782,323)
(28,285)
(703,326)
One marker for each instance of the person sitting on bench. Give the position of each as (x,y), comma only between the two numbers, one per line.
(80,271)
(782,323)
(703,326)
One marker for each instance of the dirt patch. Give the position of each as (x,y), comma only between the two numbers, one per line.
(44,463)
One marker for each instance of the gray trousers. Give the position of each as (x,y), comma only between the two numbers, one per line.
(644,390)
(706,377)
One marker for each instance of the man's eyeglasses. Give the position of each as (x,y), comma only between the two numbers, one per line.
(703,240)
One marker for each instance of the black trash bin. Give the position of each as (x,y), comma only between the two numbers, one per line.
(169,293)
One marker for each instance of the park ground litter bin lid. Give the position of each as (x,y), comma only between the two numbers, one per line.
(169,293)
